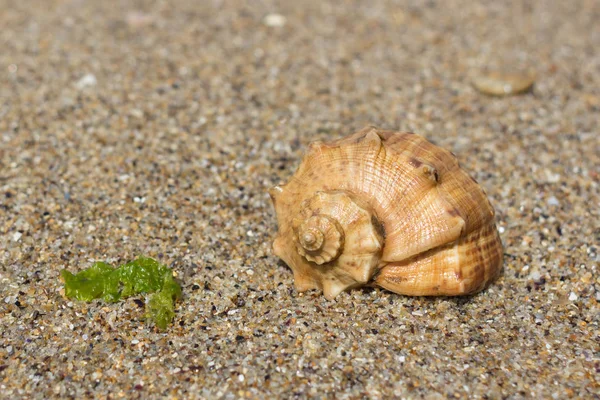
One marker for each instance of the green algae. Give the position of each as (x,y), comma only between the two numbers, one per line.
(143,275)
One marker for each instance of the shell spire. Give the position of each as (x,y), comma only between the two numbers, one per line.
(388,209)
(320,239)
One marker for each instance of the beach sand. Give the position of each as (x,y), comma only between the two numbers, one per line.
(156,128)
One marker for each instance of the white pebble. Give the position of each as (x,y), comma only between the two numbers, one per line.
(275,20)
(241,378)
(551,177)
(86,81)
(135,341)
(17,236)
(535,276)
(136,113)
(573,296)
(553,201)
(501,229)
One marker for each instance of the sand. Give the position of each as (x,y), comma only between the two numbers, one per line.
(156,128)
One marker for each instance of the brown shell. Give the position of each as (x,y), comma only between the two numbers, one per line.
(392,210)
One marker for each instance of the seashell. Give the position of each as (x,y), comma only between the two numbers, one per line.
(388,209)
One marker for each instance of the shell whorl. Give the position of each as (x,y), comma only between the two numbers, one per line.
(320,239)
(336,242)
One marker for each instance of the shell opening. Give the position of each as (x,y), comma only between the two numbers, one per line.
(320,239)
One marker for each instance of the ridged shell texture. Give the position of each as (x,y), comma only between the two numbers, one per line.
(388,209)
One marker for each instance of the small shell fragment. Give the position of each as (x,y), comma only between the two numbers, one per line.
(503,84)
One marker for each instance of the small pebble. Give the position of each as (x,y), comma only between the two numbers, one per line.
(573,296)
(552,177)
(137,113)
(535,276)
(553,201)
(275,20)
(87,80)
(503,84)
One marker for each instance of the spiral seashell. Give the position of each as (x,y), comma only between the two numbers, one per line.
(386,209)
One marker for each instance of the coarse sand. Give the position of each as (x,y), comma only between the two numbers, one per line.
(156,129)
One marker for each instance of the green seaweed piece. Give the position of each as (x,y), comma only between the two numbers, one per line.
(89,284)
(143,275)
(160,305)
